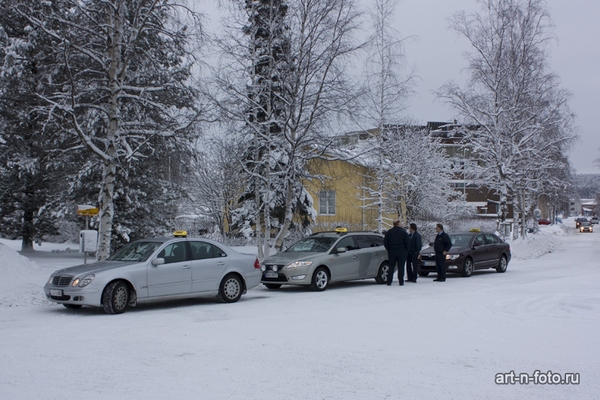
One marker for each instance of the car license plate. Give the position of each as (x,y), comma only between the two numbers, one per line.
(56,292)
(429,263)
(271,275)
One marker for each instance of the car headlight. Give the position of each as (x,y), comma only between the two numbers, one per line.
(452,256)
(50,280)
(297,264)
(263,267)
(83,282)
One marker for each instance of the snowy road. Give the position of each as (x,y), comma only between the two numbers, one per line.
(354,341)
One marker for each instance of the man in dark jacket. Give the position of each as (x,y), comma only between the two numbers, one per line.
(441,246)
(414,247)
(396,244)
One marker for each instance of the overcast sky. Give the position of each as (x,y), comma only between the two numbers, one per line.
(437,55)
(575,57)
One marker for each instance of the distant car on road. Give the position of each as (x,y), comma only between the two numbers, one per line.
(156,269)
(586,227)
(544,221)
(326,257)
(470,251)
(594,220)
(579,220)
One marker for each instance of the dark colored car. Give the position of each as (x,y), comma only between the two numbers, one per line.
(470,251)
(579,220)
(544,221)
(586,227)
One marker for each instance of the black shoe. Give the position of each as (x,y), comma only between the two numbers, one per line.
(414,281)
(439,280)
(401,283)
(389,284)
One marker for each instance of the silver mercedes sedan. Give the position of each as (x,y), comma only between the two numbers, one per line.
(156,269)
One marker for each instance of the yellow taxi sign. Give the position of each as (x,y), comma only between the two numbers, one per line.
(474,230)
(340,229)
(87,211)
(180,234)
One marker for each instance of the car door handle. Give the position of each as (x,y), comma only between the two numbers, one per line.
(187,266)
(354,256)
(220,263)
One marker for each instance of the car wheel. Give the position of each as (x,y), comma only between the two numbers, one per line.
(231,289)
(272,285)
(72,306)
(115,297)
(382,273)
(424,273)
(502,264)
(320,279)
(467,268)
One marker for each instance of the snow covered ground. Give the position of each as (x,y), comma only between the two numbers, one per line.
(356,340)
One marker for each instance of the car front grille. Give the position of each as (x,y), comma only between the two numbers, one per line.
(62,280)
(269,267)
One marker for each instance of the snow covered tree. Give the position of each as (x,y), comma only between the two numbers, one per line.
(294,70)
(32,165)
(121,77)
(217,182)
(386,89)
(586,186)
(519,107)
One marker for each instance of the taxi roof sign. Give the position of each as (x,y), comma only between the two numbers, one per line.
(340,229)
(180,233)
(474,230)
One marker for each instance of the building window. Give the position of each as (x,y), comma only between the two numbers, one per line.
(327,202)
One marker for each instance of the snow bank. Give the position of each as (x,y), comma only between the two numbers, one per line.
(22,280)
(548,239)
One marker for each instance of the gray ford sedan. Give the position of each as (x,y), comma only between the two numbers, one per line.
(326,257)
(156,269)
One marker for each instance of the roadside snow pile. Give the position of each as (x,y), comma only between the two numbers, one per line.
(538,244)
(22,280)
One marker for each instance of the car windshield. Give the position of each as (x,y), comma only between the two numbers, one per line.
(585,224)
(312,245)
(136,251)
(460,240)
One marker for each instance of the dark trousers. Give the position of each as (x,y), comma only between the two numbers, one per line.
(412,266)
(397,259)
(440,264)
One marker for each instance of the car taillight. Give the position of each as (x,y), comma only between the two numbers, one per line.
(256,264)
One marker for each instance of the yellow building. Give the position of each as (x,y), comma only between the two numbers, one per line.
(341,196)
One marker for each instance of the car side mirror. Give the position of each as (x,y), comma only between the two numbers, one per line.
(477,243)
(430,244)
(341,250)
(158,261)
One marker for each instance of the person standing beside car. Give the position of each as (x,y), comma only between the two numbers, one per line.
(441,246)
(414,247)
(396,244)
